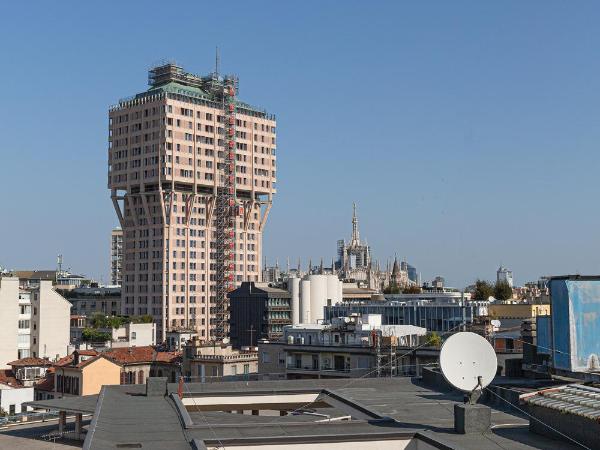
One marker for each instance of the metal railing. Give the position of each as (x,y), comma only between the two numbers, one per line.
(28,416)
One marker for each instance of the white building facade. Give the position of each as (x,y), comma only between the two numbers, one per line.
(35,321)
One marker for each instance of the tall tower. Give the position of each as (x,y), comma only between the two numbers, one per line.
(192,176)
(355,240)
(116,256)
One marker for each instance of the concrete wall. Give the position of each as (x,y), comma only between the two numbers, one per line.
(434,379)
(388,444)
(268,358)
(52,323)
(15,397)
(134,335)
(9,313)
(579,428)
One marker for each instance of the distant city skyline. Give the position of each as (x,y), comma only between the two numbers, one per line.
(465,132)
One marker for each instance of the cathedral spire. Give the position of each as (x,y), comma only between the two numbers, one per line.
(355,235)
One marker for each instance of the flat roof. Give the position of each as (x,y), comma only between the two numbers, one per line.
(575,277)
(124,415)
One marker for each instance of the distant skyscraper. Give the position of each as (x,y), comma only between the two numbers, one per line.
(116,256)
(192,177)
(504,274)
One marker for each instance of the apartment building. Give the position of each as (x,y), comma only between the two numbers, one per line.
(88,301)
(116,256)
(35,321)
(347,347)
(206,362)
(258,311)
(175,152)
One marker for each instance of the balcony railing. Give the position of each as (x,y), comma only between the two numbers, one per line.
(316,369)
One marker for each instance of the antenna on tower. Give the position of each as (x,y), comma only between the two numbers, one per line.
(217,61)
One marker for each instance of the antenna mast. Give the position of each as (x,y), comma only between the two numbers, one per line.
(217,61)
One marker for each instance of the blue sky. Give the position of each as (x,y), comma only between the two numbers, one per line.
(467,132)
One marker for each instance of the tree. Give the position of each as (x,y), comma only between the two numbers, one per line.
(412,290)
(502,290)
(483,290)
(433,339)
(393,288)
(146,318)
(98,320)
(93,335)
(115,322)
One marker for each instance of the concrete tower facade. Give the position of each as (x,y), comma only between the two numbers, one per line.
(170,151)
(116,256)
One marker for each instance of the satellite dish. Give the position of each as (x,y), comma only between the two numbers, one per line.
(468,361)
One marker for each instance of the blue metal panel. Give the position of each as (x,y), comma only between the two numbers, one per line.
(544,334)
(576,324)
(560,324)
(584,300)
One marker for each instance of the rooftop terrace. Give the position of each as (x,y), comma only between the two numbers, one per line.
(366,410)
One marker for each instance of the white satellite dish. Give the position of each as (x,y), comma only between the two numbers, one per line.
(468,361)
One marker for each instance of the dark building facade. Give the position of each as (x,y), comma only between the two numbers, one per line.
(88,301)
(258,311)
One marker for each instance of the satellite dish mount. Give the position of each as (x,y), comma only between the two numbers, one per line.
(468,362)
(472,397)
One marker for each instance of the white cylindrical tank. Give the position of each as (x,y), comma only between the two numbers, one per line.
(318,296)
(304,306)
(333,289)
(294,290)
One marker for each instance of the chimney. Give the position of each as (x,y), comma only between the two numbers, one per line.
(75,357)
(156,386)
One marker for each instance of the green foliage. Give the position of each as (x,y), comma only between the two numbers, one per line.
(502,291)
(483,290)
(142,319)
(412,290)
(393,288)
(93,335)
(99,320)
(433,339)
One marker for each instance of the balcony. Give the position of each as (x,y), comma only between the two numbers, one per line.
(316,369)
(286,321)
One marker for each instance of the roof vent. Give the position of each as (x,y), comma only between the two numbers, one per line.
(156,387)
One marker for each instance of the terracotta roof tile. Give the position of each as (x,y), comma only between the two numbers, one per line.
(7,376)
(145,354)
(46,383)
(68,360)
(30,362)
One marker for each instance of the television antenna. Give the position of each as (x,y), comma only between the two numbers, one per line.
(468,362)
